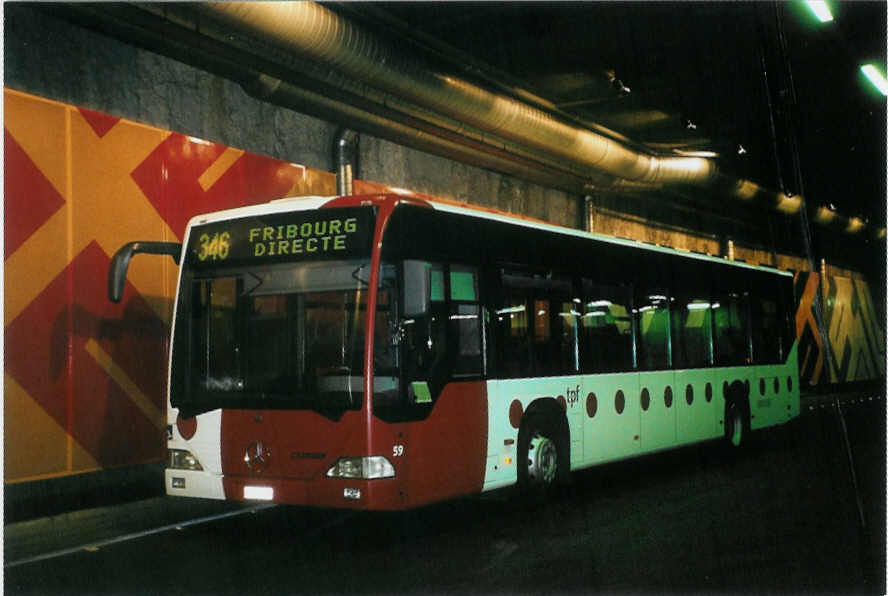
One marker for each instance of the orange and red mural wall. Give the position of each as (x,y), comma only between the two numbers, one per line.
(84,379)
(855,346)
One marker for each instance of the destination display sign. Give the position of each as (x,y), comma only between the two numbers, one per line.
(281,237)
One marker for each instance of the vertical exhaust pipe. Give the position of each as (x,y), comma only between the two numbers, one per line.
(345,151)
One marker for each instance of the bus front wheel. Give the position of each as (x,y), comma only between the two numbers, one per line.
(542,454)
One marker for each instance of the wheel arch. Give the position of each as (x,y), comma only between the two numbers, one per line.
(738,392)
(549,408)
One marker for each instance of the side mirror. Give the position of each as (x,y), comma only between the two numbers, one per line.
(120,262)
(417,288)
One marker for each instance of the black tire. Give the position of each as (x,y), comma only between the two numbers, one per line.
(543,454)
(736,423)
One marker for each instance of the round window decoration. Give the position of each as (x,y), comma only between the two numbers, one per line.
(620,401)
(645,399)
(187,426)
(667,397)
(516,410)
(762,386)
(689,394)
(776,385)
(708,392)
(789,383)
(591,405)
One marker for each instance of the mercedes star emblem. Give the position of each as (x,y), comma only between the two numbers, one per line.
(256,457)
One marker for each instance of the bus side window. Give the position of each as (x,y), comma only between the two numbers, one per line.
(569,346)
(465,321)
(652,323)
(766,330)
(446,344)
(542,338)
(730,313)
(691,331)
(606,328)
(513,343)
(534,338)
(425,338)
(436,366)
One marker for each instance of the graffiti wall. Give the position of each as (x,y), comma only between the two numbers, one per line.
(855,346)
(84,379)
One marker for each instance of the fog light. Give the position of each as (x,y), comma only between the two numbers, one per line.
(178,483)
(352,493)
(179,459)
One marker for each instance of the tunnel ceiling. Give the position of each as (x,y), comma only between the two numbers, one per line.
(683,78)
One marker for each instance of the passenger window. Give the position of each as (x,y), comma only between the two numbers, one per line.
(569,348)
(542,337)
(533,338)
(513,344)
(731,329)
(465,321)
(606,328)
(652,321)
(437,282)
(692,332)
(463,284)
(446,344)
(766,334)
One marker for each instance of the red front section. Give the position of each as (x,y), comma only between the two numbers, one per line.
(300,447)
(435,459)
(445,454)
(441,457)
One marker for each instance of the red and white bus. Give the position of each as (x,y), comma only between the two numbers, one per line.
(388,351)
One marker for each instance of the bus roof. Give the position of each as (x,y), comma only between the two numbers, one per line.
(522,220)
(304,203)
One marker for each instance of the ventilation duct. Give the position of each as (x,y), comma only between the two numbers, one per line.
(296,32)
(358,81)
(314,33)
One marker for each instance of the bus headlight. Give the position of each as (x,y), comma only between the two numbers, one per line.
(183,460)
(366,468)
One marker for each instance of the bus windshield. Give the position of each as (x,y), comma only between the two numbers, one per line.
(280,336)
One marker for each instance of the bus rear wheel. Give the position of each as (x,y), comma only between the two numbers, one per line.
(736,425)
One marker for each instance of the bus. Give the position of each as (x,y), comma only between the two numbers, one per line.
(388,351)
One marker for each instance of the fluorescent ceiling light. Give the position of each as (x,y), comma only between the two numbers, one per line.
(696,153)
(875,77)
(820,10)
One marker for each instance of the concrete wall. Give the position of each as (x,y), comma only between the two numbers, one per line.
(48,57)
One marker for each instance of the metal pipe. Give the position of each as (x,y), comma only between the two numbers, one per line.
(323,106)
(557,158)
(345,148)
(313,32)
